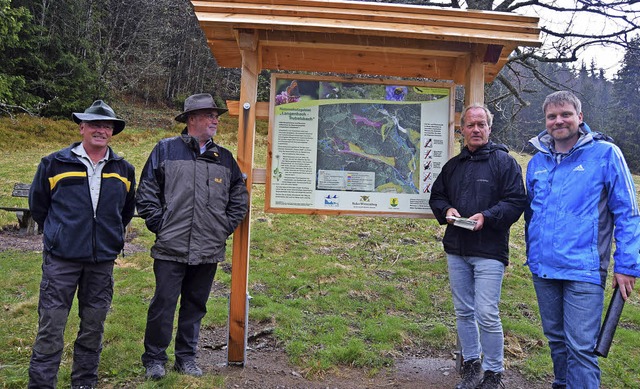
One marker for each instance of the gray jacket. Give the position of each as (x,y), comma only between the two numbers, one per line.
(191,201)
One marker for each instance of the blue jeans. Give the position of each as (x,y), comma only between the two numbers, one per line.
(476,284)
(571,312)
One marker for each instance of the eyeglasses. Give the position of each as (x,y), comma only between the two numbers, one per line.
(100,125)
(209,116)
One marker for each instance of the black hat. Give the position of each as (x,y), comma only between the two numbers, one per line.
(196,103)
(99,110)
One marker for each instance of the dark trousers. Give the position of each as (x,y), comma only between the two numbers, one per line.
(60,279)
(193,284)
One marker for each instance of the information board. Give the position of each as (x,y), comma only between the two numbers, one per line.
(356,146)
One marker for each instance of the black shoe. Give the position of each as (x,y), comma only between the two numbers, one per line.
(471,374)
(491,380)
(188,368)
(154,371)
(83,387)
(558,386)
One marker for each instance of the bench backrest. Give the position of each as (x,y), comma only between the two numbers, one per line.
(21,190)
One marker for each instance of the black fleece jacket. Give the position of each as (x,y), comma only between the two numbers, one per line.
(488,181)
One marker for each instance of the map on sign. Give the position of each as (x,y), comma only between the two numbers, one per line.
(341,146)
(380,139)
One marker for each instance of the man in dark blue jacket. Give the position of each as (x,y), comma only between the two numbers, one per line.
(83,196)
(484,185)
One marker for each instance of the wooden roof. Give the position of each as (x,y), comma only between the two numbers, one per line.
(354,37)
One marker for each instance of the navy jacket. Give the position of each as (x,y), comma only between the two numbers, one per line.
(488,181)
(60,201)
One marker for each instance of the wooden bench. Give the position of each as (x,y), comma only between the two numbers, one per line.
(25,221)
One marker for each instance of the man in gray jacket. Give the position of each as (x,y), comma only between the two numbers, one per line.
(192,195)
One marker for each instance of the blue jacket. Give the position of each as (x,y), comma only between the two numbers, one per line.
(60,202)
(573,208)
(191,201)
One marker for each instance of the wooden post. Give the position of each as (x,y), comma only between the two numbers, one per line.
(239,298)
(474,83)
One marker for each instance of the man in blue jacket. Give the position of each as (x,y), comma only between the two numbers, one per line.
(581,197)
(484,184)
(192,195)
(83,197)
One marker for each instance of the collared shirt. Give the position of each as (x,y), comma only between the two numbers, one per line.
(558,156)
(203,148)
(94,172)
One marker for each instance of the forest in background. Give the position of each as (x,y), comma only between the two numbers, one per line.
(56,57)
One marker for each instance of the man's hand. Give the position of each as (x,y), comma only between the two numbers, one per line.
(625,282)
(451,212)
(479,218)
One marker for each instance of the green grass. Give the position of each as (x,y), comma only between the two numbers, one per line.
(353,291)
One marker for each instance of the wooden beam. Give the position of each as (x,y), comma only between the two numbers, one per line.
(474,85)
(388,44)
(239,297)
(367,12)
(487,34)
(262,109)
(357,62)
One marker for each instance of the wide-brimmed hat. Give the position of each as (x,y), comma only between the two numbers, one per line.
(196,103)
(99,110)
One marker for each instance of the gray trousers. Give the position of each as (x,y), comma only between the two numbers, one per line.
(60,280)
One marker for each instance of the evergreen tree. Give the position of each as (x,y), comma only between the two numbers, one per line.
(14,25)
(625,121)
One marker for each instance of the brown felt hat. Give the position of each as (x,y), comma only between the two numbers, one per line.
(196,103)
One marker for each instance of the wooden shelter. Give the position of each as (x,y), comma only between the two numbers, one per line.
(346,37)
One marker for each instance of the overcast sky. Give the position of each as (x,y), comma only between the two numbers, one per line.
(608,58)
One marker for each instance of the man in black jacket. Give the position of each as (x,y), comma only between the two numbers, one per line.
(192,195)
(83,197)
(479,194)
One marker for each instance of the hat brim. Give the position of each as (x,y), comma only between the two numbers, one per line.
(118,124)
(182,118)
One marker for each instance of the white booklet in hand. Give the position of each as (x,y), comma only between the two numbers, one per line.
(463,222)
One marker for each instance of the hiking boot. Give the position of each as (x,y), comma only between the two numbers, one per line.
(471,374)
(491,380)
(155,371)
(558,386)
(188,368)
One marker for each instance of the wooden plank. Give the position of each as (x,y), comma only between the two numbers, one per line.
(303,39)
(470,19)
(351,62)
(238,300)
(21,190)
(372,7)
(262,109)
(325,26)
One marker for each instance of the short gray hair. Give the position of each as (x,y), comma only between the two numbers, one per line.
(561,98)
(474,106)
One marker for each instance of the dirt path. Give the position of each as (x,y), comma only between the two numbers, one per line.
(267,367)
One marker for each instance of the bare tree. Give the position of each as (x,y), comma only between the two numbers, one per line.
(569,27)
